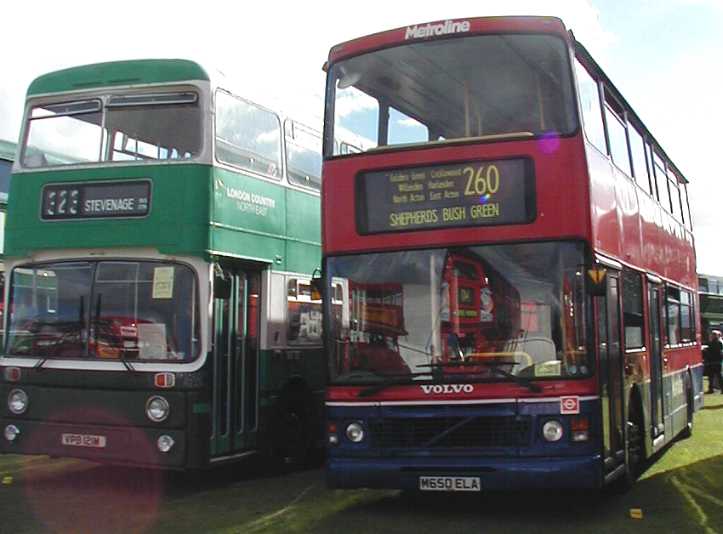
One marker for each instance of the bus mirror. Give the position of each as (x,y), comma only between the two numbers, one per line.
(596,278)
(317,288)
(317,285)
(221,288)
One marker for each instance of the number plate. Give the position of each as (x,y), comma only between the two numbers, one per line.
(83,440)
(449,484)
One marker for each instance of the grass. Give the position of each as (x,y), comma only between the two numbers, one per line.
(681,492)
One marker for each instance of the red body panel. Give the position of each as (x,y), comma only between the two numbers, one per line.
(563,210)
(476,25)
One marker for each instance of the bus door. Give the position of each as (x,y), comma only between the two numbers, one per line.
(656,361)
(611,371)
(236,364)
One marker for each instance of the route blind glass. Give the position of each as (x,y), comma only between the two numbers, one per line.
(461,194)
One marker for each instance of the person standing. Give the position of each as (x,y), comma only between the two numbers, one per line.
(712,359)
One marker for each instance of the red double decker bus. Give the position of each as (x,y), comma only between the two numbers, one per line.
(533,242)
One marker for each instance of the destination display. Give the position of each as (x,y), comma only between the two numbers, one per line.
(458,194)
(96,200)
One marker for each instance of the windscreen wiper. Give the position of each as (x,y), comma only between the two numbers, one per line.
(391,380)
(494,366)
(128,365)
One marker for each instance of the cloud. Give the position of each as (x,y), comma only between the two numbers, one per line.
(409,123)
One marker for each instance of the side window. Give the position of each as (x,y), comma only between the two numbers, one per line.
(5,169)
(304,314)
(633,309)
(678,200)
(247,136)
(403,129)
(618,138)
(637,150)
(674,196)
(590,104)
(303,154)
(651,169)
(661,181)
(672,302)
(687,321)
(685,203)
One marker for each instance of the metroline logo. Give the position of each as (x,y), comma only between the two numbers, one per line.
(441,389)
(443,28)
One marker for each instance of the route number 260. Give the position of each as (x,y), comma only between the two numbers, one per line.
(484,180)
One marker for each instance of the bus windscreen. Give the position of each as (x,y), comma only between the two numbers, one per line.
(451,89)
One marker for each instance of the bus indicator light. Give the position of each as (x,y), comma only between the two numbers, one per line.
(164,380)
(12,374)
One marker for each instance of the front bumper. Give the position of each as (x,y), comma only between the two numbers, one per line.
(495,473)
(127,445)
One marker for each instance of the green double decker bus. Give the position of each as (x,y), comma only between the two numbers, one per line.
(161,237)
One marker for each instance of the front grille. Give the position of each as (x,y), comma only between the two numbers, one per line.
(450,432)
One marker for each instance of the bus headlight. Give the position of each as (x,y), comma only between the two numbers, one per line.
(355,432)
(165,443)
(17,401)
(552,430)
(157,409)
(11,432)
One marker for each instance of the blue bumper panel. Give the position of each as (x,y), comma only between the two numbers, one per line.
(494,473)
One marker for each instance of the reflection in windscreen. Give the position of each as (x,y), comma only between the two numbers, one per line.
(473,310)
(451,89)
(130,310)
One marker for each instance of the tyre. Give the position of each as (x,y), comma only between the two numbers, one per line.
(690,405)
(635,450)
(293,438)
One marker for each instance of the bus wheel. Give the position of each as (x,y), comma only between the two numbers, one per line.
(293,441)
(636,452)
(690,408)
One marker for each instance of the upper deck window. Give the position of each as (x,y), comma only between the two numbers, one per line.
(451,89)
(63,134)
(123,127)
(590,104)
(153,126)
(303,154)
(637,150)
(247,136)
(618,139)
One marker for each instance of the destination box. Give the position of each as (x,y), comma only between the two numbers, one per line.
(96,200)
(472,193)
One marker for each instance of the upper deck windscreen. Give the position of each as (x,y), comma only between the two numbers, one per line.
(113,128)
(449,89)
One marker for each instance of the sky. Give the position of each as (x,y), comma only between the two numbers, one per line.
(663,55)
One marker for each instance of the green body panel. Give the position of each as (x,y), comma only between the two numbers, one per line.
(176,224)
(117,73)
(195,210)
(261,220)
(303,226)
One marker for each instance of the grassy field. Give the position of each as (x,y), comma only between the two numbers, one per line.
(681,492)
